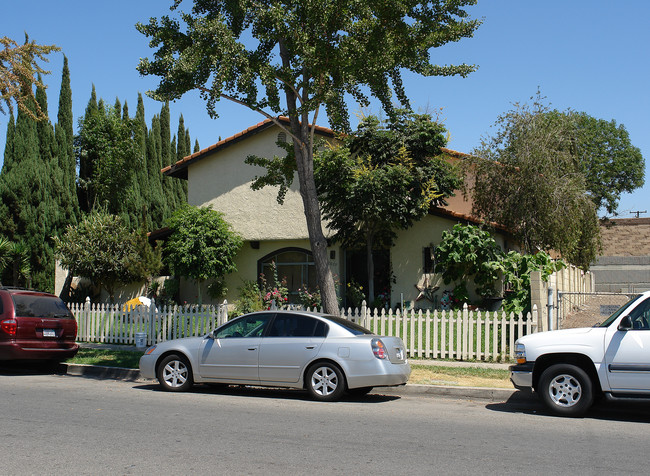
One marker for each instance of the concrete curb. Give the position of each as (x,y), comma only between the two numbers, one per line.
(97,371)
(474,393)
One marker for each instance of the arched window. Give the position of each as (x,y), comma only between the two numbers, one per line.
(296,265)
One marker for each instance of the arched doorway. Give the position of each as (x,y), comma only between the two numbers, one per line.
(295,265)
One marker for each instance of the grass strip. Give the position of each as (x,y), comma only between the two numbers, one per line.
(127,359)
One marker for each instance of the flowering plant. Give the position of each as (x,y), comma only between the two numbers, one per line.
(309,299)
(274,294)
(355,293)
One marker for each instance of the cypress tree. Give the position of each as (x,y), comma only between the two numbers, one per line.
(64,134)
(87,158)
(159,210)
(9,144)
(181,147)
(196,147)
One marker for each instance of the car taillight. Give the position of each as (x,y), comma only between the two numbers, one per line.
(8,326)
(379,349)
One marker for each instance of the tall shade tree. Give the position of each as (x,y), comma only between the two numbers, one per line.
(608,160)
(292,58)
(529,180)
(382,179)
(20,67)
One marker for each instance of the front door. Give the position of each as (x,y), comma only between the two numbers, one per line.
(628,353)
(233,352)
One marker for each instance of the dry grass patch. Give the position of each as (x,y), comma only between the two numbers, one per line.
(460,376)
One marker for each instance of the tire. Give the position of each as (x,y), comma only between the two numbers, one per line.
(174,373)
(359,392)
(566,390)
(325,382)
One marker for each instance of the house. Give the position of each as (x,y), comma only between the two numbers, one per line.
(624,265)
(218,176)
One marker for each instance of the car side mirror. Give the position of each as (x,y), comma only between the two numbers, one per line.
(625,324)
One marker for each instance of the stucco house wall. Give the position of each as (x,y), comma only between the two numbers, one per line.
(223,180)
(218,176)
(407,257)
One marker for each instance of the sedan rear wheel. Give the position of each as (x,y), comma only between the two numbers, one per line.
(325,382)
(174,374)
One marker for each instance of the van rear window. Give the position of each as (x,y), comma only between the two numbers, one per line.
(32,305)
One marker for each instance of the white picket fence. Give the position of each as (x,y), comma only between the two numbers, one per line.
(459,335)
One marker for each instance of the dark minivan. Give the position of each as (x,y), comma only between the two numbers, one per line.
(35,325)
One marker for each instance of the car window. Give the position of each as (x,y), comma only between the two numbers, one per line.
(620,310)
(356,329)
(640,316)
(32,305)
(295,325)
(247,326)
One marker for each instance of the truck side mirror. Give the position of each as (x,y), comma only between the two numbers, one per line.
(625,324)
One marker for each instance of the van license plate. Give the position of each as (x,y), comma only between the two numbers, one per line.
(49,333)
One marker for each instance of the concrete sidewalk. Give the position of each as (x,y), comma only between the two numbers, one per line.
(473,393)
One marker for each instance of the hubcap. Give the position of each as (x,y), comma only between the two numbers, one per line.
(324,381)
(175,373)
(565,390)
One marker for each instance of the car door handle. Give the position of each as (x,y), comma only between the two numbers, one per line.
(252,348)
(310,347)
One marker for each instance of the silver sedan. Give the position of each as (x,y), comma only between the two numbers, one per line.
(326,355)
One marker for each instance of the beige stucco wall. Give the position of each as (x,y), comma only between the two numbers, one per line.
(246,260)
(224,181)
(407,259)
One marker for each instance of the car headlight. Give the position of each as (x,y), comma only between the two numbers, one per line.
(520,353)
(150,350)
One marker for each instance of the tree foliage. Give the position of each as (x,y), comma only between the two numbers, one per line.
(107,148)
(533,184)
(19,70)
(608,160)
(100,248)
(469,253)
(202,245)
(381,179)
(292,58)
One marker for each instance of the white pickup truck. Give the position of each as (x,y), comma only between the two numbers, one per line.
(570,368)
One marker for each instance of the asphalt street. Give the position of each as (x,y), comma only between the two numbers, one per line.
(62,424)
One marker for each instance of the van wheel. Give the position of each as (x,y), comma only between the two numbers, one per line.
(566,390)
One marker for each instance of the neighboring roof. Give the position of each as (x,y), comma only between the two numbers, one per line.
(179,169)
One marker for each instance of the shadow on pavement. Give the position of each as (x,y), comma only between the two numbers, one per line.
(628,410)
(267,392)
(38,367)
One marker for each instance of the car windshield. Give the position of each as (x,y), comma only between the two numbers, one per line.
(620,310)
(33,305)
(356,329)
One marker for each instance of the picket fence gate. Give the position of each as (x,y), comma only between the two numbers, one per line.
(459,334)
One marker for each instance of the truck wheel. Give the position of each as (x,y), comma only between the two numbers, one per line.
(566,390)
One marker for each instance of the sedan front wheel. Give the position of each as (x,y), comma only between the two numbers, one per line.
(325,382)
(175,374)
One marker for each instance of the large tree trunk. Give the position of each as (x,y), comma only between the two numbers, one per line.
(370,269)
(304,150)
(304,162)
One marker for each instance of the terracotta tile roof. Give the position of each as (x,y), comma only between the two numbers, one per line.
(179,169)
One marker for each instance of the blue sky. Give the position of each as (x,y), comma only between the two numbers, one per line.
(587,55)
